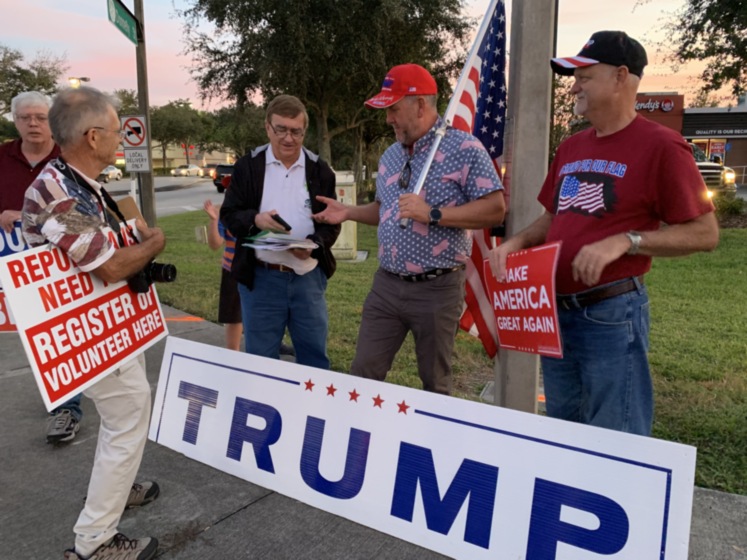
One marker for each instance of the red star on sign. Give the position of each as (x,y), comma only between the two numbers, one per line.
(331,390)
(378,400)
(354,395)
(309,385)
(403,407)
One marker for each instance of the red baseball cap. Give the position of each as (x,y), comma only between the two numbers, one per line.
(400,81)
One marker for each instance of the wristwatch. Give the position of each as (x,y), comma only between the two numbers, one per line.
(635,242)
(434,216)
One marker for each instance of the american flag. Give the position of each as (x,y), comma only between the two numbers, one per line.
(582,195)
(481,110)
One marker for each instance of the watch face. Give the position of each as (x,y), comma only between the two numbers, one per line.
(435,215)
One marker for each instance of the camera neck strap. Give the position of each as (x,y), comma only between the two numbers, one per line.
(104,199)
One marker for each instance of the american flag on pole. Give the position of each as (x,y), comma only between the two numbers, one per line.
(480,108)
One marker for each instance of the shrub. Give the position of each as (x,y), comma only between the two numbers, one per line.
(728,204)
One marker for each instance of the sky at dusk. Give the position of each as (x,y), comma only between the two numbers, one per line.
(94,48)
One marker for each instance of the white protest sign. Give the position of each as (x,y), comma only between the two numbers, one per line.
(75,328)
(465,479)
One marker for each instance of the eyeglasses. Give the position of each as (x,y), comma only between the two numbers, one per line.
(26,119)
(120,132)
(404,176)
(283,131)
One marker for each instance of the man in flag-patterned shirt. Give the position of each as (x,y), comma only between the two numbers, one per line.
(419,286)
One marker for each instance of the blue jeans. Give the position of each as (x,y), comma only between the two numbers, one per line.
(73,405)
(285,299)
(603,378)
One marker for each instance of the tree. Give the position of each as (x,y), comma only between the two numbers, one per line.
(332,54)
(714,31)
(128,101)
(239,129)
(41,74)
(176,123)
(705,99)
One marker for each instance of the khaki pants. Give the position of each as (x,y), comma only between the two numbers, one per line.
(122,400)
(430,310)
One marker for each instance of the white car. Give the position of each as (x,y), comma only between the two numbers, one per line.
(110,172)
(187,171)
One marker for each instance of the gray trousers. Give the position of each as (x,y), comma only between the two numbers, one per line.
(430,309)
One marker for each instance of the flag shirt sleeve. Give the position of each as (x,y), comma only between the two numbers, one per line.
(59,211)
(461,172)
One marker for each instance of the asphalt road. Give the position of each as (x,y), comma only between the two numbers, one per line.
(174,195)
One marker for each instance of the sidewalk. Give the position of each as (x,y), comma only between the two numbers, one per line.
(203,513)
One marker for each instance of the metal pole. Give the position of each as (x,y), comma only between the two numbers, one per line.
(527,132)
(147,193)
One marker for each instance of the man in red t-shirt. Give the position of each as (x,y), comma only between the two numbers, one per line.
(20,162)
(607,191)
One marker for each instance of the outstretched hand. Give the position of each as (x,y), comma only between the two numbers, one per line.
(335,212)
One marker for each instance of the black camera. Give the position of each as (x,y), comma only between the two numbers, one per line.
(153,272)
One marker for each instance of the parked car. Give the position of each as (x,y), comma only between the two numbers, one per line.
(187,171)
(223,170)
(110,172)
(208,170)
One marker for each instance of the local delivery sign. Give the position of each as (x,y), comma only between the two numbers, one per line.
(74,327)
(465,479)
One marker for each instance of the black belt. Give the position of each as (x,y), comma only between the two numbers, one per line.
(273,266)
(595,295)
(427,275)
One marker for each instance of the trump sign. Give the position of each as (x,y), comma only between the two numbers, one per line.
(461,478)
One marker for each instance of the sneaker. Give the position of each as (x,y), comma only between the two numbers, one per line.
(142,493)
(120,548)
(62,427)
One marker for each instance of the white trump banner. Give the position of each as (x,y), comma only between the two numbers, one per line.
(464,479)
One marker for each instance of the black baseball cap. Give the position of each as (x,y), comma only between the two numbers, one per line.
(605,47)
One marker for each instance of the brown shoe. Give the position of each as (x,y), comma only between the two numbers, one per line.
(120,548)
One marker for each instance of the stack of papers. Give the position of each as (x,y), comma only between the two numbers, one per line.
(271,241)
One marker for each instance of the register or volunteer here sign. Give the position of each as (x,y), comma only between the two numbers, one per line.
(10,243)
(524,305)
(74,327)
(462,478)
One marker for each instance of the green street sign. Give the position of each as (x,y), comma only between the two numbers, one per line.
(123,19)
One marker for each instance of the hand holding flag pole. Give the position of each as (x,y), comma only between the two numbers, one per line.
(455,107)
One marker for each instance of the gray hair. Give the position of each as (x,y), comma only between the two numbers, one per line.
(29,98)
(75,110)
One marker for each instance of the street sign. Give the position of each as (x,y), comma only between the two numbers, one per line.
(123,19)
(137,161)
(135,143)
(135,135)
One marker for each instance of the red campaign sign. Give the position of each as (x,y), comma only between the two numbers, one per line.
(524,305)
(74,348)
(7,324)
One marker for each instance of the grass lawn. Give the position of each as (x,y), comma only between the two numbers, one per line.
(698,344)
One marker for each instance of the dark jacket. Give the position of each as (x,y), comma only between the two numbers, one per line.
(244,197)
